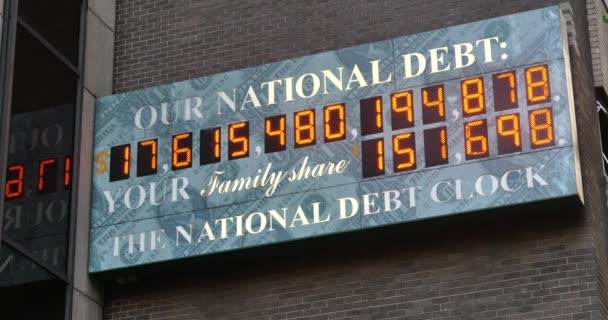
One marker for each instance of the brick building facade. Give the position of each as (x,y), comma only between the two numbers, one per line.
(532,262)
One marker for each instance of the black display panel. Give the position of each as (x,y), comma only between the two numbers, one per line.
(435,147)
(211,145)
(120,162)
(238,140)
(402,110)
(274,134)
(181,151)
(538,84)
(404,152)
(433,104)
(473,97)
(334,123)
(304,128)
(505,91)
(542,133)
(476,139)
(147,157)
(508,133)
(371,116)
(373,159)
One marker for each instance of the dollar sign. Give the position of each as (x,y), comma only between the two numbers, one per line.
(102,164)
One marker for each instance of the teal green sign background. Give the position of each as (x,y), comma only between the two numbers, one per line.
(175,214)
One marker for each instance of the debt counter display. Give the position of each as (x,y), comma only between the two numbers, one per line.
(466,118)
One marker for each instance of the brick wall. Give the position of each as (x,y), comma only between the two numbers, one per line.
(543,261)
(598,35)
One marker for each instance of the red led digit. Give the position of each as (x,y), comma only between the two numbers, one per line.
(372,152)
(120,162)
(181,151)
(371,115)
(238,140)
(433,104)
(541,128)
(537,85)
(473,98)
(402,110)
(335,126)
(508,133)
(47,176)
(404,152)
(476,139)
(275,139)
(147,157)
(67,172)
(505,91)
(435,147)
(304,127)
(14,182)
(210,146)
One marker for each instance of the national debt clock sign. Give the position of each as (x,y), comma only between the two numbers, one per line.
(466,118)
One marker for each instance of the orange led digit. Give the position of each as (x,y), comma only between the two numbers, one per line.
(67,172)
(47,175)
(238,140)
(404,152)
(335,125)
(433,105)
(476,138)
(181,151)
(505,91)
(120,162)
(402,110)
(304,126)
(508,133)
(147,157)
(435,147)
(537,85)
(372,153)
(370,111)
(473,98)
(541,128)
(210,146)
(14,182)
(275,134)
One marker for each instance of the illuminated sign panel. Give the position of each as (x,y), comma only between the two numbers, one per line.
(466,118)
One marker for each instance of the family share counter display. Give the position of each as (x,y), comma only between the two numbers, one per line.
(466,118)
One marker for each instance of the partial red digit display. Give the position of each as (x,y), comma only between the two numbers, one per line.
(537,85)
(147,160)
(47,176)
(14,182)
(371,116)
(372,153)
(404,152)
(120,162)
(210,146)
(433,104)
(238,140)
(476,139)
(436,147)
(541,128)
(67,172)
(334,117)
(304,128)
(275,137)
(473,97)
(505,91)
(402,110)
(181,147)
(508,133)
